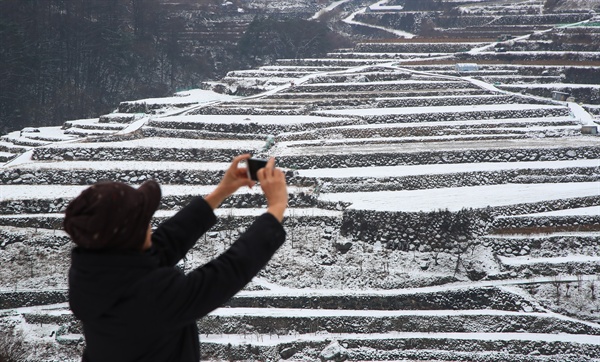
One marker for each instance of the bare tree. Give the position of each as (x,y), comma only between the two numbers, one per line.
(556,282)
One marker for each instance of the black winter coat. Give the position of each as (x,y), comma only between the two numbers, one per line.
(137,306)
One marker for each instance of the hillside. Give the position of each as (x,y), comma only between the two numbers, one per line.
(444,192)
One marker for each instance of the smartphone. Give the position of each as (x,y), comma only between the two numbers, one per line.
(255,164)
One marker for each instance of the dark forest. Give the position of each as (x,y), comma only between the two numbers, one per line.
(65,58)
(71,59)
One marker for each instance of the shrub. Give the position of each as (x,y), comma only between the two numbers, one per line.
(12,348)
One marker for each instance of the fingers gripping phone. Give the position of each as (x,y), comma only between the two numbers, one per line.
(255,164)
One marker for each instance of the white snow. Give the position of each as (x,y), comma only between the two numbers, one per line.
(189,96)
(437,109)
(283,148)
(553,85)
(396,140)
(440,169)
(125,165)
(526,260)
(268,340)
(328,8)
(161,142)
(55,133)
(477,122)
(248,119)
(582,211)
(455,199)
(134,126)
(253,212)
(581,114)
(399,33)
(28,192)
(316,313)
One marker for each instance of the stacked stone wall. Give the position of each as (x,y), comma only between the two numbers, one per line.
(171,202)
(589,95)
(88,177)
(546,247)
(463,179)
(525,222)
(138,153)
(415,47)
(18,299)
(361,77)
(442,230)
(437,157)
(381,87)
(246,111)
(248,127)
(425,131)
(528,56)
(464,116)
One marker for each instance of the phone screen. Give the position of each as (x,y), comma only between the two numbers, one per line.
(255,164)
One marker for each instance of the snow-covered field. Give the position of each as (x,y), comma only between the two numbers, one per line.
(455,199)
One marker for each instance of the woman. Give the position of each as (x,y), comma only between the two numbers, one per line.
(123,285)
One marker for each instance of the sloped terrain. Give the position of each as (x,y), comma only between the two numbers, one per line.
(437,213)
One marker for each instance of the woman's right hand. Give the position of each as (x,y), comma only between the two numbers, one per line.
(272,182)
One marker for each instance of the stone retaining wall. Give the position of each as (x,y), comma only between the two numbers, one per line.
(458,299)
(590,94)
(149,108)
(28,299)
(421,348)
(521,57)
(225,222)
(248,127)
(381,87)
(368,95)
(367,77)
(446,231)
(453,101)
(137,154)
(554,269)
(595,111)
(526,222)
(117,118)
(246,111)
(408,323)
(151,131)
(543,247)
(431,130)
(420,102)
(415,47)
(437,157)
(453,232)
(320,161)
(52,206)
(404,349)
(33,206)
(462,116)
(88,177)
(462,179)
(48,240)
(461,299)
